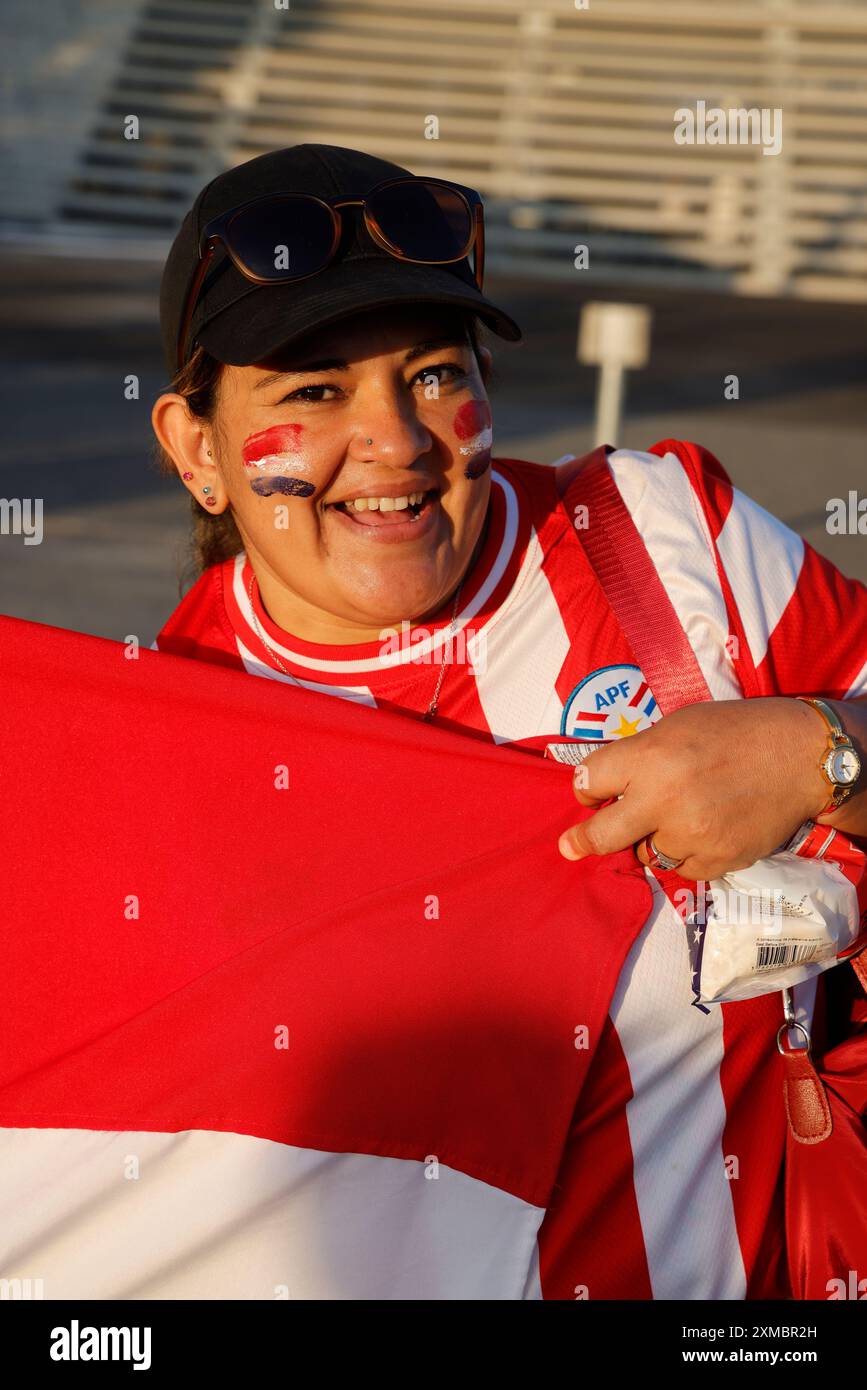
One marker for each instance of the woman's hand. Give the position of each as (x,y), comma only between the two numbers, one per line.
(718,785)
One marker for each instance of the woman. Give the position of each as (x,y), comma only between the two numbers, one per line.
(329,418)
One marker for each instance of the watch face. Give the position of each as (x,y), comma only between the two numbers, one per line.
(843,766)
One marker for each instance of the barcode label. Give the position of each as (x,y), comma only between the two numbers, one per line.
(573,753)
(774,955)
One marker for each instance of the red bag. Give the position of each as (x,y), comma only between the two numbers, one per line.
(825,1100)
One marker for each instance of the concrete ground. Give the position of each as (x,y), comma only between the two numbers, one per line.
(114,531)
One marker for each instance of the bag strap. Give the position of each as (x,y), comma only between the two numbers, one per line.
(637,597)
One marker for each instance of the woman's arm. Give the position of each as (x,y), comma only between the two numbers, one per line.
(723,783)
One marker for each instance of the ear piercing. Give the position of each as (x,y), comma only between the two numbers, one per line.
(369,441)
(211,501)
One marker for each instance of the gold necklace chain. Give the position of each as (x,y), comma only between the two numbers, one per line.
(432,707)
(447,646)
(262,638)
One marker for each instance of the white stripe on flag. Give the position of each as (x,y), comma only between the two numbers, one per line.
(206,1214)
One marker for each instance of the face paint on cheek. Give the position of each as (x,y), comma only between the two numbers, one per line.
(289,487)
(277,454)
(479,465)
(472,423)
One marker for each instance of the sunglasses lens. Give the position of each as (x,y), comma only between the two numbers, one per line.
(283,237)
(423,221)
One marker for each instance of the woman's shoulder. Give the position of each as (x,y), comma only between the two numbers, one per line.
(199,626)
(671,471)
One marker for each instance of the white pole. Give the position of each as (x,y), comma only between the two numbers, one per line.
(612,337)
(609,404)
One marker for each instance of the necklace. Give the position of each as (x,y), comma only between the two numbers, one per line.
(447,645)
(262,638)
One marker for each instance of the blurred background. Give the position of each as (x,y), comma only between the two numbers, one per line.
(561,115)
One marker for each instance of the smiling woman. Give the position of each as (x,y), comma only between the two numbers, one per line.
(333,429)
(381,531)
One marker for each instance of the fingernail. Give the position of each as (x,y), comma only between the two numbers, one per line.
(567,848)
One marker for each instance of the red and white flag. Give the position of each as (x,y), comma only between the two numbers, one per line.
(293,990)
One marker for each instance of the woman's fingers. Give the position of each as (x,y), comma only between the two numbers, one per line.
(613,828)
(606,772)
(602,835)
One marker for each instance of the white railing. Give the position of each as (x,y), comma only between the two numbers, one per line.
(564,119)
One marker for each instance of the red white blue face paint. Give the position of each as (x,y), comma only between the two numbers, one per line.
(472,424)
(272,460)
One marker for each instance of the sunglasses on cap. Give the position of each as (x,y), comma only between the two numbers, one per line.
(424,221)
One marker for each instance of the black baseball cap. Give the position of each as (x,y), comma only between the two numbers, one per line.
(240,323)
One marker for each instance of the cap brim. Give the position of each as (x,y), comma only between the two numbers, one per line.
(265,319)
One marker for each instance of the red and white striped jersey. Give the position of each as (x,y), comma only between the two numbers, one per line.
(669,1183)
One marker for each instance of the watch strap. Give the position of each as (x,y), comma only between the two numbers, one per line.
(837,738)
(830,716)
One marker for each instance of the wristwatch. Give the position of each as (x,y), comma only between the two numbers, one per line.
(840,765)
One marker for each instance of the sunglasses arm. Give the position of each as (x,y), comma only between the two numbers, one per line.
(479,247)
(192,298)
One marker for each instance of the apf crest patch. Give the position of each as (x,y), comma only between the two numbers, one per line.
(610,703)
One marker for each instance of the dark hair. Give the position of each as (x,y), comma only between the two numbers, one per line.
(216,538)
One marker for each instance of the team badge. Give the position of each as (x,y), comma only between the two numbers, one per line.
(611,703)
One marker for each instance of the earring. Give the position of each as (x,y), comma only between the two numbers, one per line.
(209,453)
(187,477)
(369,441)
(206,490)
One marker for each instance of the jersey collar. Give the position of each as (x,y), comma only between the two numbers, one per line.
(367,663)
